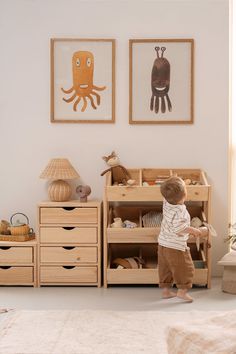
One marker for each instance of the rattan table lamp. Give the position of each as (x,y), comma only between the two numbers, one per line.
(58,170)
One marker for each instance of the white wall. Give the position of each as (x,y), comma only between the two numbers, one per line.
(28,140)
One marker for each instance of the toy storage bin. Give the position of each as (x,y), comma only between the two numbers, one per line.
(200,265)
(130,213)
(155,176)
(138,234)
(195,175)
(134,174)
(148,274)
(198,192)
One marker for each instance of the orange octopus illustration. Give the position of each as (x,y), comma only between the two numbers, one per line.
(83,87)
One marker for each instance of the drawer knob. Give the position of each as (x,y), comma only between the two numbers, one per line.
(68,228)
(68,248)
(78,258)
(5,248)
(68,208)
(68,267)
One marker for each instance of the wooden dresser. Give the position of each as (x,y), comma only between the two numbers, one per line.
(69,243)
(18,263)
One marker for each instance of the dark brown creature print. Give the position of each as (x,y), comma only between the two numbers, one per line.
(160,82)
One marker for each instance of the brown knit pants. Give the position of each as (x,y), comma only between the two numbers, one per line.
(175,266)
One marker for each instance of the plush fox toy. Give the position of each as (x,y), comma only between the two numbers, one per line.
(120,175)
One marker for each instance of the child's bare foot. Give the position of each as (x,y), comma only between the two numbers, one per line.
(182,294)
(167,294)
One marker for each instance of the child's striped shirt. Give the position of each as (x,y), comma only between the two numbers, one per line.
(175,219)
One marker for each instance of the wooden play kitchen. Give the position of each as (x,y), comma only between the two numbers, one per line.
(144,198)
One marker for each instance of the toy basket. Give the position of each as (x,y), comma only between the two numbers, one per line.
(21,228)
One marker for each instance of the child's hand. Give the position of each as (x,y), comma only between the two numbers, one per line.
(196,232)
(204,230)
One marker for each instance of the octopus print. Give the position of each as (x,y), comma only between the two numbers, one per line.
(160,83)
(83,87)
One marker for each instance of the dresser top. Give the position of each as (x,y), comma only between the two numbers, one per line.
(71,203)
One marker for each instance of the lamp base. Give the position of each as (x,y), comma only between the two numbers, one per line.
(59,191)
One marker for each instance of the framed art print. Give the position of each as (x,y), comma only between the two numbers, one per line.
(161,81)
(82,80)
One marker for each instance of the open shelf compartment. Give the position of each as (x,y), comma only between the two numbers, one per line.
(148,274)
(139,234)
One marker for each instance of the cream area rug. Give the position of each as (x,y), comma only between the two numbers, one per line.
(95,332)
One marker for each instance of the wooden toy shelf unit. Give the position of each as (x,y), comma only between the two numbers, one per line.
(136,203)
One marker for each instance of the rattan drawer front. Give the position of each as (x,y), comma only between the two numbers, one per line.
(68,215)
(16,275)
(63,274)
(68,235)
(68,254)
(16,255)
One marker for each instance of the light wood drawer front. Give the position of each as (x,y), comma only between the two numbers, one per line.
(68,275)
(69,254)
(132,276)
(200,276)
(68,235)
(16,275)
(16,255)
(68,215)
(137,235)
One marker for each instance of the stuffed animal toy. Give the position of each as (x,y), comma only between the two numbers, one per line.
(117,223)
(120,175)
(83,192)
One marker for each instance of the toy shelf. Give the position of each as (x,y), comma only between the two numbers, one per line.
(147,185)
(133,203)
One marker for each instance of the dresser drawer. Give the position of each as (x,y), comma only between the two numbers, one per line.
(64,274)
(16,255)
(68,215)
(16,275)
(68,235)
(68,254)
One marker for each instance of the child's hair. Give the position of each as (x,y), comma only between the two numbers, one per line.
(173,190)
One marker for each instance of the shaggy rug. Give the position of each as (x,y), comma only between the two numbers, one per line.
(89,331)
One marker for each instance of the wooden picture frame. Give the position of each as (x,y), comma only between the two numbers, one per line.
(82,80)
(161,81)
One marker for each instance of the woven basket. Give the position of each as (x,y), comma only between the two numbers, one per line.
(23,229)
(19,238)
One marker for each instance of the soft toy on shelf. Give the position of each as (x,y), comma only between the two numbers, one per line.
(203,227)
(83,192)
(117,222)
(130,224)
(120,175)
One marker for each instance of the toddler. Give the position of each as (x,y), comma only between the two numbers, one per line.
(175,263)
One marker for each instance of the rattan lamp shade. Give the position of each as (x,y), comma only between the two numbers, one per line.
(58,170)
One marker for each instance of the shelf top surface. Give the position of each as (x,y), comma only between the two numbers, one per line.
(71,203)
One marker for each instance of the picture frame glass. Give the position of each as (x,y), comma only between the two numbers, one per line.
(82,80)
(161,81)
